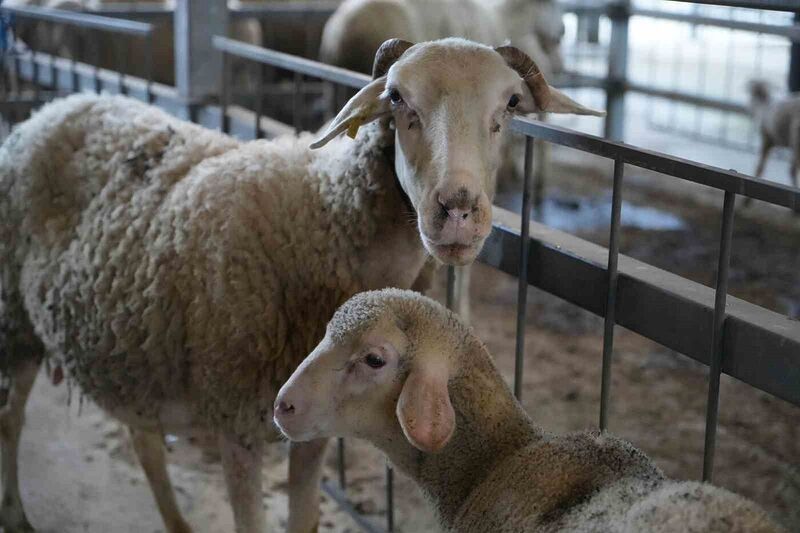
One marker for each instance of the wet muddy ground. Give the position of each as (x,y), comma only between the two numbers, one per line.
(79,474)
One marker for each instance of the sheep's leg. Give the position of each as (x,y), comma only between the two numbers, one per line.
(242,467)
(12,417)
(149,449)
(766,146)
(305,472)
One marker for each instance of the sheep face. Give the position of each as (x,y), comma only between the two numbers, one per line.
(374,376)
(450,102)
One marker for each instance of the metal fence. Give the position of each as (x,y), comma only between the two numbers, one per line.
(658,51)
(82,31)
(754,345)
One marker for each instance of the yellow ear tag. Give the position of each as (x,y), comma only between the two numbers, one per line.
(352,128)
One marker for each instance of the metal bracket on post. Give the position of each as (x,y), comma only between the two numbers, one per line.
(619,12)
(197,65)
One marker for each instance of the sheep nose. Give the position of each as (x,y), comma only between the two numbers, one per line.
(458,207)
(285,408)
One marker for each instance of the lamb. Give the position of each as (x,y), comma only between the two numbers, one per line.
(179,276)
(778,123)
(401,371)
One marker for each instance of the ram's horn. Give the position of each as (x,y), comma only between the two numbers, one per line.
(389,52)
(528,71)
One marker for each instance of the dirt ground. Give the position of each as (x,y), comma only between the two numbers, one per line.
(78,473)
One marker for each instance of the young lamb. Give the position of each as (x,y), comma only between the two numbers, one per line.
(180,276)
(779,124)
(401,371)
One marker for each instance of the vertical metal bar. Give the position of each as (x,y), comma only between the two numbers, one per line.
(35,65)
(197,63)
(296,101)
(15,85)
(148,66)
(53,74)
(522,280)
(611,296)
(389,498)
(259,99)
(121,61)
(340,464)
(451,287)
(712,407)
(223,93)
(619,13)
(73,62)
(96,59)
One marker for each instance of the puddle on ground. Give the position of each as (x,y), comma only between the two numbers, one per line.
(576,213)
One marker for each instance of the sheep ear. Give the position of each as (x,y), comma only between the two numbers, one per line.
(366,106)
(424,409)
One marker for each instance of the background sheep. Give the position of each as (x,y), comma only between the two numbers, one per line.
(354,32)
(779,124)
(180,276)
(399,370)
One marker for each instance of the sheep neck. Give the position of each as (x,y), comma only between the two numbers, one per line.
(490,424)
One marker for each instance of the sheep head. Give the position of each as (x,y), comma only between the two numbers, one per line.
(381,372)
(450,102)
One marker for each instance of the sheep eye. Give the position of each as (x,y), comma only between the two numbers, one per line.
(513,101)
(374,361)
(395,97)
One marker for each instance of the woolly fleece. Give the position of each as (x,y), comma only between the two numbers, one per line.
(501,472)
(163,263)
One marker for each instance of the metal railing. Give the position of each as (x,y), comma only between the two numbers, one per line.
(80,25)
(750,343)
(618,80)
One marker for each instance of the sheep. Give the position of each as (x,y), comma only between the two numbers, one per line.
(399,370)
(179,276)
(358,27)
(779,125)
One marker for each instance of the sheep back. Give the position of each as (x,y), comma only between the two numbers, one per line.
(164,262)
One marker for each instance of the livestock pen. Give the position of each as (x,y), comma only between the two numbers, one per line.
(753,344)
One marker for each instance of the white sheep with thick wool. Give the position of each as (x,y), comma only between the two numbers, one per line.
(399,370)
(180,276)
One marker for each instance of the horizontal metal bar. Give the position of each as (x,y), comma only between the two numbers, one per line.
(316,9)
(762,348)
(82,20)
(344,504)
(773,5)
(595,7)
(63,70)
(687,98)
(726,180)
(585,7)
(290,62)
(576,80)
(789,31)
